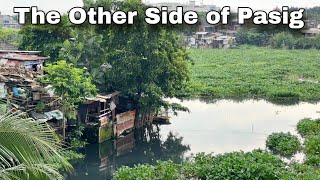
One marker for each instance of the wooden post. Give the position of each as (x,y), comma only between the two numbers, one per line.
(64,129)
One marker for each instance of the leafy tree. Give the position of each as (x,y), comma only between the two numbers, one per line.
(10,36)
(147,62)
(70,83)
(46,38)
(29,149)
(84,49)
(251,36)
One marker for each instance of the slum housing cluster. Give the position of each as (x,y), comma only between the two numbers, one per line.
(313,28)
(214,36)
(103,115)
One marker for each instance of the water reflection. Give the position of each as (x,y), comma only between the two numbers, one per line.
(233,125)
(212,126)
(143,146)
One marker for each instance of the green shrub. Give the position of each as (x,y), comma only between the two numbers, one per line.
(301,171)
(284,144)
(308,126)
(237,165)
(313,160)
(139,172)
(166,170)
(312,145)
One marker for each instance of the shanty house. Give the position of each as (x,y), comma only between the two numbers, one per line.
(29,60)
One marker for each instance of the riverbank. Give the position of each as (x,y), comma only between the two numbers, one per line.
(221,126)
(250,71)
(275,162)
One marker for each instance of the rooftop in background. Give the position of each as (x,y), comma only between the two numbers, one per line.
(191,5)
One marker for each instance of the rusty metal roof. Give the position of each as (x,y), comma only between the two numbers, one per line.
(22,57)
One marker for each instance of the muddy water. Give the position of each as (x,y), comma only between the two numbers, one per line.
(226,126)
(212,126)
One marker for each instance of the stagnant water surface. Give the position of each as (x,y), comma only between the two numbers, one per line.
(219,126)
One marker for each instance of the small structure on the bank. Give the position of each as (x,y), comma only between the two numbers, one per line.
(28,60)
(98,114)
(103,119)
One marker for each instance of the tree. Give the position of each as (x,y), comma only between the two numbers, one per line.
(10,36)
(46,38)
(148,63)
(72,84)
(29,149)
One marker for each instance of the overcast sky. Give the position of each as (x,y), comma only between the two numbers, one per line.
(6,6)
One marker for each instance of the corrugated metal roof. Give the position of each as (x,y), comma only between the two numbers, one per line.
(22,57)
(17,51)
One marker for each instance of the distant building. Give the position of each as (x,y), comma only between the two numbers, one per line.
(311,32)
(191,6)
(8,21)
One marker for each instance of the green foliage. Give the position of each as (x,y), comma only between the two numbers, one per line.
(72,155)
(308,126)
(162,170)
(313,160)
(10,36)
(290,41)
(29,149)
(251,36)
(45,38)
(75,137)
(72,84)
(249,72)
(284,144)
(237,165)
(312,145)
(139,172)
(40,107)
(283,40)
(147,62)
(302,171)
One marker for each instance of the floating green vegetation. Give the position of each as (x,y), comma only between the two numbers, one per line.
(308,126)
(249,71)
(284,144)
(257,164)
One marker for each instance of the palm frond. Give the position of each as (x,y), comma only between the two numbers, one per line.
(29,149)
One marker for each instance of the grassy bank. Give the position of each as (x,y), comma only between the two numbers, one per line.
(250,71)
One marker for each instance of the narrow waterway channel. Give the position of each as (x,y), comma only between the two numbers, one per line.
(216,126)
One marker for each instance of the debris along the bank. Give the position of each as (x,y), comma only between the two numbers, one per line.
(19,72)
(102,116)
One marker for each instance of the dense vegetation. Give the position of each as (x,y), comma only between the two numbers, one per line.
(308,126)
(258,164)
(146,63)
(256,72)
(237,165)
(10,36)
(284,144)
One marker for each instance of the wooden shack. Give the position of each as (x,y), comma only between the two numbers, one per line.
(98,114)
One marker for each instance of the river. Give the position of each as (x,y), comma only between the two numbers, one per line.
(212,126)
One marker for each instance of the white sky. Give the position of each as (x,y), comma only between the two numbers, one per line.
(6,6)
